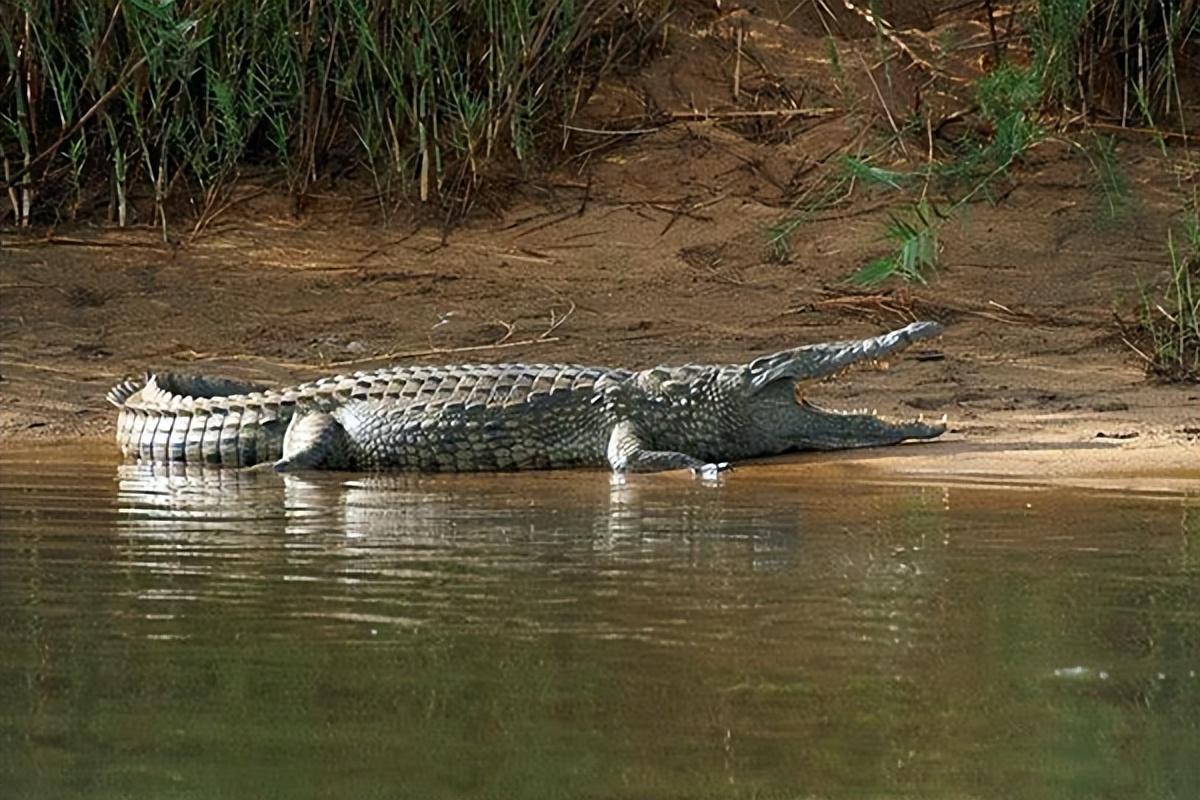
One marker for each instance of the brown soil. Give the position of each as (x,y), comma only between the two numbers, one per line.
(642,249)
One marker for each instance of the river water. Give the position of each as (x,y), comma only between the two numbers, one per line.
(555,635)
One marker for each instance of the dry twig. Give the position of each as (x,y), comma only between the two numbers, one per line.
(503,343)
(700,116)
(888,32)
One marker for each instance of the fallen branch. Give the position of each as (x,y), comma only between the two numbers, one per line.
(7,286)
(1110,126)
(503,343)
(67,241)
(866,303)
(601,132)
(70,373)
(705,116)
(816,111)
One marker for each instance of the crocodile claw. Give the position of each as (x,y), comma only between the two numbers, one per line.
(710,471)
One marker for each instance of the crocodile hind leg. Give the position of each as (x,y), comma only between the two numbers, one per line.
(315,440)
(627,453)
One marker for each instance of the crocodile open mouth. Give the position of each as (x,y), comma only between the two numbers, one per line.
(830,362)
(804,402)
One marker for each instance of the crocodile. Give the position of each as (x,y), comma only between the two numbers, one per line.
(477,417)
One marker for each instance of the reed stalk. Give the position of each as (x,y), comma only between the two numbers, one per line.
(160,105)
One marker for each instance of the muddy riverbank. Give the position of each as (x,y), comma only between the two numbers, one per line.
(648,248)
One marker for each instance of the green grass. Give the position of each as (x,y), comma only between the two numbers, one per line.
(1117,58)
(1167,335)
(1109,184)
(914,236)
(967,172)
(862,170)
(127,104)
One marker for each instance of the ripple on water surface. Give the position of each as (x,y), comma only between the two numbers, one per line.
(553,634)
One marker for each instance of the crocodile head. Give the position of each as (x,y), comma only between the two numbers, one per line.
(783,419)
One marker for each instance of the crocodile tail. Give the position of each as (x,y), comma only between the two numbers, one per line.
(120,394)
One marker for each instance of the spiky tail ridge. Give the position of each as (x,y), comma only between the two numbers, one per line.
(120,394)
(180,418)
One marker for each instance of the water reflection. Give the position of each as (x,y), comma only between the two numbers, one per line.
(200,632)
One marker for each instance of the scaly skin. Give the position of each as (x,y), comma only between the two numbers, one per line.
(513,416)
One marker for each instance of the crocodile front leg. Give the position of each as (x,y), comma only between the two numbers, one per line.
(627,453)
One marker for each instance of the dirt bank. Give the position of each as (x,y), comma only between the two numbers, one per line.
(645,248)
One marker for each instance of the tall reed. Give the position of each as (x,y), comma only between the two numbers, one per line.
(1167,332)
(157,99)
(1118,57)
